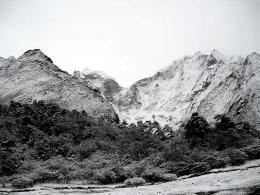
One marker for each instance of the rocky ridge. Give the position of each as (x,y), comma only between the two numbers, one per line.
(210,84)
(98,79)
(33,76)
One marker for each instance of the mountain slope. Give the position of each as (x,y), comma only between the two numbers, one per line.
(210,84)
(33,76)
(106,84)
(238,94)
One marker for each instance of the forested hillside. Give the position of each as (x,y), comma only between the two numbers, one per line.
(41,142)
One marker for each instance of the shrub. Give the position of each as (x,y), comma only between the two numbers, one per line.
(135,181)
(105,176)
(183,171)
(215,161)
(86,174)
(27,167)
(135,169)
(85,149)
(120,173)
(64,174)
(237,157)
(5,180)
(98,160)
(155,159)
(178,168)
(200,167)
(253,152)
(153,174)
(8,163)
(44,175)
(176,149)
(169,177)
(22,182)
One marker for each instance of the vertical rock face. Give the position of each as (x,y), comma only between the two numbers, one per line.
(33,76)
(210,84)
(106,84)
(239,93)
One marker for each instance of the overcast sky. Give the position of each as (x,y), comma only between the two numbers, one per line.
(127,39)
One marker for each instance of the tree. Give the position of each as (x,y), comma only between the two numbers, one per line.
(196,129)
(223,122)
(168,131)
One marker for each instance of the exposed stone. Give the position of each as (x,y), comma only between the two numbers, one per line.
(33,76)
(210,84)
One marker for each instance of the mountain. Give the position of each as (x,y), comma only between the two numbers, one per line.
(209,84)
(33,76)
(106,84)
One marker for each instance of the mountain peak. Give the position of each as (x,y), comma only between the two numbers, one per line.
(253,58)
(98,79)
(11,58)
(35,54)
(97,73)
(198,53)
(34,77)
(78,74)
(218,55)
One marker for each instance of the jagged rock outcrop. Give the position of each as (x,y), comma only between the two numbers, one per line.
(210,84)
(106,84)
(33,76)
(238,94)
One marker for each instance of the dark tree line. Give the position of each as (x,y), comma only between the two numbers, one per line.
(43,132)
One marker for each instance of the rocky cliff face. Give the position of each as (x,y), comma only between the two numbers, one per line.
(33,76)
(210,84)
(106,84)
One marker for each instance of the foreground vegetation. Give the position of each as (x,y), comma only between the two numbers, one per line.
(41,142)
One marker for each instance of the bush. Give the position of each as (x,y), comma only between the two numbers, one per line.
(136,181)
(85,149)
(153,174)
(237,157)
(8,163)
(22,182)
(179,168)
(27,166)
(215,161)
(120,173)
(200,167)
(44,175)
(105,176)
(155,159)
(253,152)
(98,160)
(64,175)
(86,174)
(169,177)
(135,169)
(5,180)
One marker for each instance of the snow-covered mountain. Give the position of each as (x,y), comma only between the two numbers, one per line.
(33,76)
(210,84)
(106,84)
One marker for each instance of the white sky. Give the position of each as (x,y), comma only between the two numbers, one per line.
(127,39)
